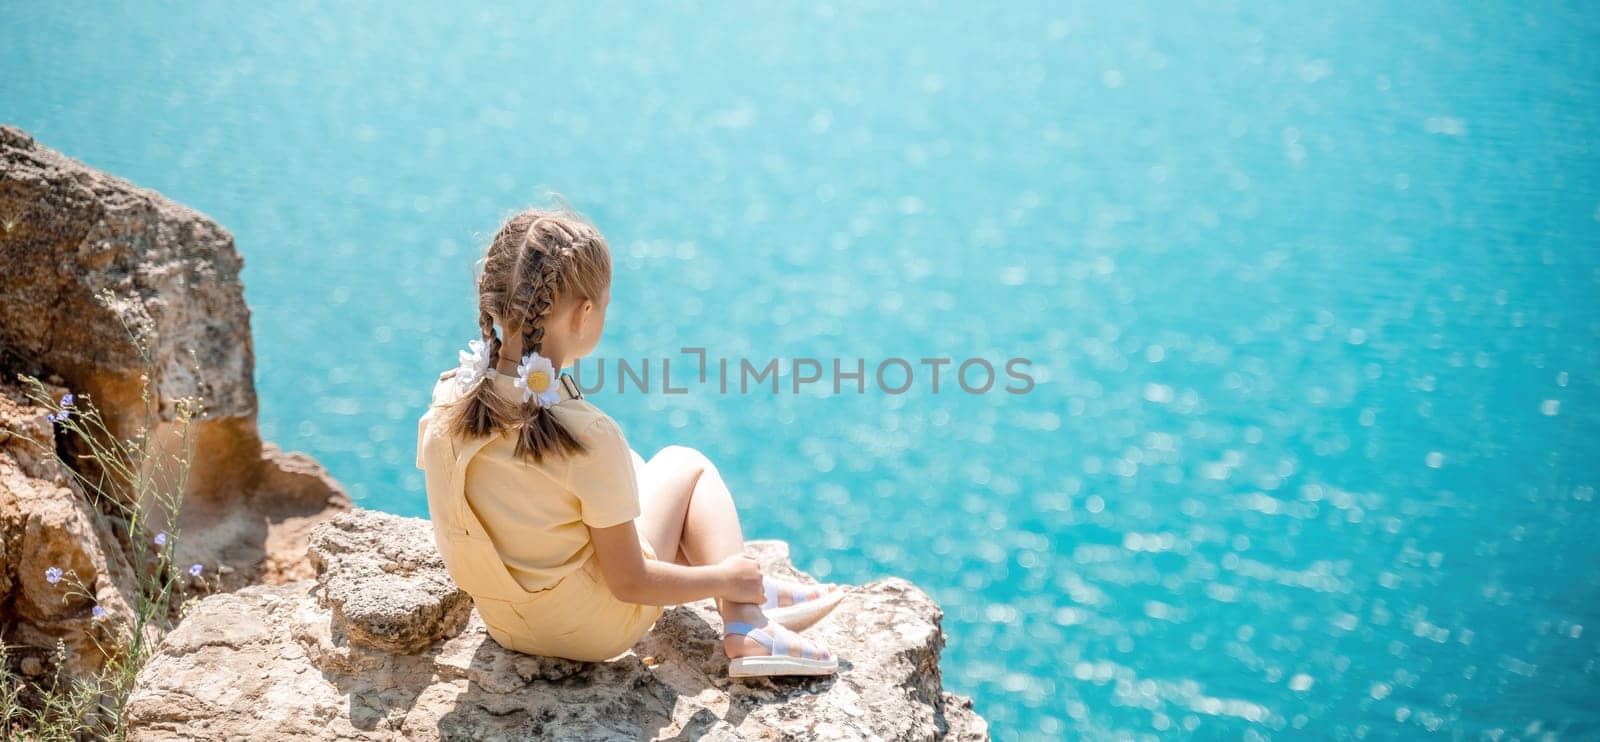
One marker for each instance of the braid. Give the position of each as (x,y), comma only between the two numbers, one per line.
(534,316)
(486,323)
(540,270)
(480,412)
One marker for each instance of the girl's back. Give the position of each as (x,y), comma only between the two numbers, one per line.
(536,512)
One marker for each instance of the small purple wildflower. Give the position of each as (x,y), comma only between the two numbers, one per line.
(99,611)
(195,570)
(53,575)
(51,417)
(66,400)
(161,539)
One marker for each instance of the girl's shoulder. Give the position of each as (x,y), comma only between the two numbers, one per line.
(444,392)
(588,423)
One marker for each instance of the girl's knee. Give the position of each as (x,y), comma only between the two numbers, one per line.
(683,456)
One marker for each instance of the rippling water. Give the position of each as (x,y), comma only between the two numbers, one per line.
(1309,292)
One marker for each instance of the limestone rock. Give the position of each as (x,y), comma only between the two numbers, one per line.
(70,231)
(384,582)
(271,662)
(67,234)
(45,522)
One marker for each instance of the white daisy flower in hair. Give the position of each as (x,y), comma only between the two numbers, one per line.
(474,364)
(536,377)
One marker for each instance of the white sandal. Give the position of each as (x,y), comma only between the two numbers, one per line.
(779,662)
(803,611)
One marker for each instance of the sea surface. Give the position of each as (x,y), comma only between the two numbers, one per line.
(1307,292)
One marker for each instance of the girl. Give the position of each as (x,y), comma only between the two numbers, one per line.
(545,515)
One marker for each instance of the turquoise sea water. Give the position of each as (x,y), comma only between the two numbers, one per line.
(1309,293)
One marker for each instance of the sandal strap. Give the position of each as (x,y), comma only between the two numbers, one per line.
(776,645)
(774,592)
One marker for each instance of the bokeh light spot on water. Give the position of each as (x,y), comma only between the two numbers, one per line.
(1308,293)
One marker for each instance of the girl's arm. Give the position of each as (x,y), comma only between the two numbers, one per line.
(634,579)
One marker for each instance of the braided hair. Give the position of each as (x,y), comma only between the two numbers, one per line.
(537,259)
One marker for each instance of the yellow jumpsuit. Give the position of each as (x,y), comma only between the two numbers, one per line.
(514,533)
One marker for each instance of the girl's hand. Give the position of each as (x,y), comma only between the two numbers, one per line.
(743,575)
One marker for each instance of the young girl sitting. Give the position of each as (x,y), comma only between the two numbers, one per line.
(545,515)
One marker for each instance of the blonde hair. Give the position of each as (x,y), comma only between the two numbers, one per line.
(538,259)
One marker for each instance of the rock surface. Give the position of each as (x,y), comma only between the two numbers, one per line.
(301,661)
(385,583)
(68,235)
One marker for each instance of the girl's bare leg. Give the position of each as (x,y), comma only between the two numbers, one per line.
(686,505)
(686,509)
